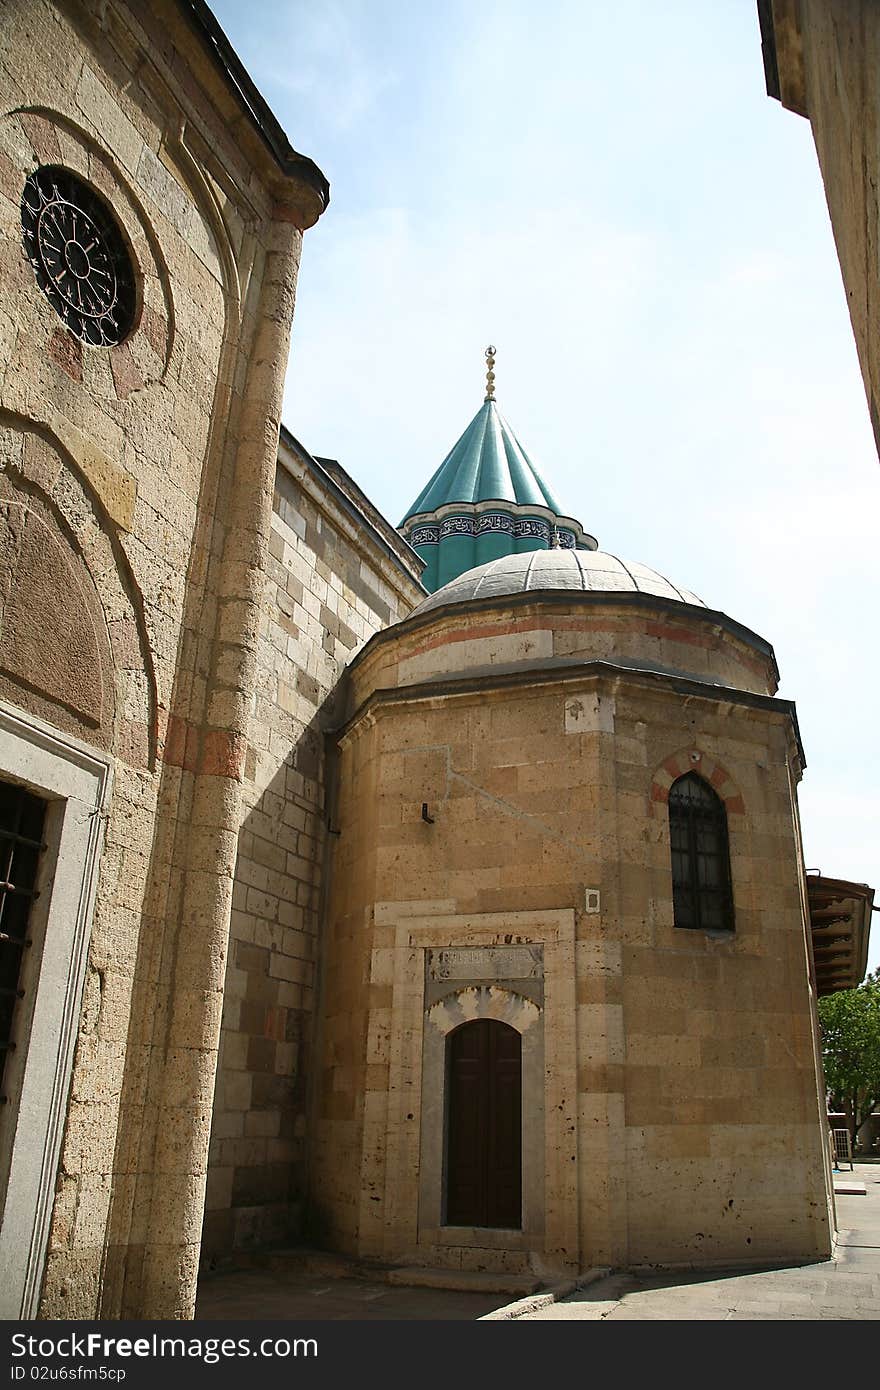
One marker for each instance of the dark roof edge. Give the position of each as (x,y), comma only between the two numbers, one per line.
(357,506)
(291,163)
(557,597)
(466,685)
(768,48)
(847,887)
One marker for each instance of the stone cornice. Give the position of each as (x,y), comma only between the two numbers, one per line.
(567,598)
(546,674)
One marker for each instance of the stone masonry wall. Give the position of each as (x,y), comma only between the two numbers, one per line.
(147,467)
(828,53)
(333,580)
(841,58)
(692,1074)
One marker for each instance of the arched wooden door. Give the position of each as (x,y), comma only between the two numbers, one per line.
(484,1125)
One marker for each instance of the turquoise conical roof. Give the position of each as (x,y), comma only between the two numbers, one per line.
(487,499)
(487,464)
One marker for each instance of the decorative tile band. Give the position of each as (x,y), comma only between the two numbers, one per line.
(494,522)
(529,526)
(425,535)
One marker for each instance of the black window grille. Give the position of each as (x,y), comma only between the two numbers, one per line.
(79,255)
(21,842)
(701,889)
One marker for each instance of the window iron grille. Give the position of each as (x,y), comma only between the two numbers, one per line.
(701,886)
(79,256)
(22,818)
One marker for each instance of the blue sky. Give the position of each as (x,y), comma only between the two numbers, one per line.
(607,194)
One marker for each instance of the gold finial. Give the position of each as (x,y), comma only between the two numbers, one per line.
(490,373)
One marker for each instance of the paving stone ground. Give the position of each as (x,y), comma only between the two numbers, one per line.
(301,1296)
(846,1287)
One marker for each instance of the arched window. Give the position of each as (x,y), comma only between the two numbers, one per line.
(701,891)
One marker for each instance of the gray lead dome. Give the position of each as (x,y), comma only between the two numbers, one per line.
(577,571)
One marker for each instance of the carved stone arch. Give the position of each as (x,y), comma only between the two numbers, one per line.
(463,1006)
(483,1001)
(713,772)
(73,642)
(204,193)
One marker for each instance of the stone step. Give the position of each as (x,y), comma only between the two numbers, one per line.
(464,1280)
(325,1264)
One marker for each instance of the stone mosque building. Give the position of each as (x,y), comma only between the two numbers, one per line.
(431,894)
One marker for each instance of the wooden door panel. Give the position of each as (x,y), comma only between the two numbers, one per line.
(484,1148)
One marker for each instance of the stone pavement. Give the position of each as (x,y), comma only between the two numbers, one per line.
(846,1287)
(306,1286)
(295,1296)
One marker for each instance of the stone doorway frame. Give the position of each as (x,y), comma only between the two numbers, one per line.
(412,1194)
(443,1018)
(76,782)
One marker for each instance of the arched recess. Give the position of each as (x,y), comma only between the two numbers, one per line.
(73,644)
(445,1017)
(77,691)
(693,760)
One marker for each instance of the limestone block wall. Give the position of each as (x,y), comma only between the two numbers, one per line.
(464,639)
(135,496)
(337,573)
(827,56)
(678,1071)
(718,1108)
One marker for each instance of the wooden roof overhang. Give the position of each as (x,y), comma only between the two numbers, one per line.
(840,924)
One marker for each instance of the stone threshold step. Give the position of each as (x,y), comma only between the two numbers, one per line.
(325,1264)
(464,1280)
(848,1188)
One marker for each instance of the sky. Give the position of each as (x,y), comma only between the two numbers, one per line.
(607,194)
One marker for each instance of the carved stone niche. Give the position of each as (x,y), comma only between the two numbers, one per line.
(54,650)
(73,646)
(56,658)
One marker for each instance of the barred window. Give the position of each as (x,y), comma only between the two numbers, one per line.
(21,836)
(701,889)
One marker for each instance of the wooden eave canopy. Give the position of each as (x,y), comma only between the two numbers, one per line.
(840,924)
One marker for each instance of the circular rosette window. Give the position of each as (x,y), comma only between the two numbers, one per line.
(80,257)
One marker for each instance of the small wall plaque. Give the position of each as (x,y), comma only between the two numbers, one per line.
(486,963)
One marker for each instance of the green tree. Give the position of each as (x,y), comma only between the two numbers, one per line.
(850,1023)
